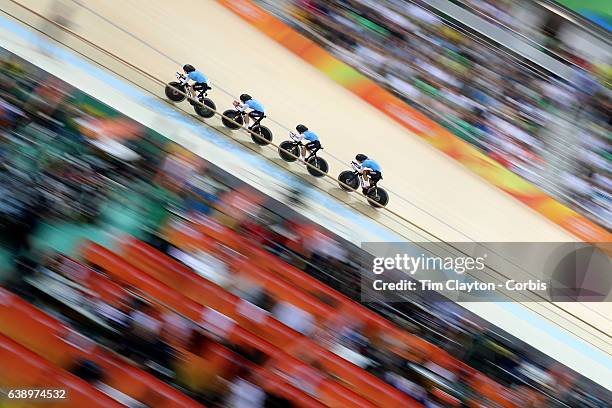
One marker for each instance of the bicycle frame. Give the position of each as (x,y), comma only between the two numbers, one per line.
(312,153)
(361,181)
(188,88)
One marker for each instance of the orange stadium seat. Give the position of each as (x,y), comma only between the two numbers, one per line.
(22,368)
(181,277)
(348,307)
(275,384)
(219,359)
(33,329)
(123,271)
(199,371)
(167,269)
(110,292)
(61,346)
(107,290)
(412,347)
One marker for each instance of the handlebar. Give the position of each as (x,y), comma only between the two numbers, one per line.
(239,106)
(180,76)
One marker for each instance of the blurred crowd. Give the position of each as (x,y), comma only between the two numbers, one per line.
(63,164)
(554,134)
(212,369)
(60,159)
(500,12)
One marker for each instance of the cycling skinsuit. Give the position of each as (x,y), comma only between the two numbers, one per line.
(257,112)
(197,76)
(255,105)
(310,136)
(313,140)
(201,81)
(375,169)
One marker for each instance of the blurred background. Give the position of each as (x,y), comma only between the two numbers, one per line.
(138,273)
(546,119)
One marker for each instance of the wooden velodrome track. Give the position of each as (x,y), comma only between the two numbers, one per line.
(431,191)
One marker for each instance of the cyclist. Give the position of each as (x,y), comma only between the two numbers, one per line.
(370,171)
(312,145)
(201,82)
(257,109)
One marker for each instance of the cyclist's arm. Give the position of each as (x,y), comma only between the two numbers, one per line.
(239,106)
(296,136)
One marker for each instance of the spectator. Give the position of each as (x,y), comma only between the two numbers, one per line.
(244,393)
(88,371)
(176,330)
(478,92)
(142,339)
(294,317)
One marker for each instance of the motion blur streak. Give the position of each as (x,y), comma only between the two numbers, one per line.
(137,273)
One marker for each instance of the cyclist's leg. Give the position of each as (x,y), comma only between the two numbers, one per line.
(257,117)
(370,179)
(199,88)
(189,89)
(303,151)
(365,175)
(312,148)
(375,178)
(260,116)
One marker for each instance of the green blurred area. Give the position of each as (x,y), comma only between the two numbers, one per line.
(32,149)
(598,11)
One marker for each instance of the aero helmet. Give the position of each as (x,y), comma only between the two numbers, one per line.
(245,97)
(361,157)
(188,68)
(301,128)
